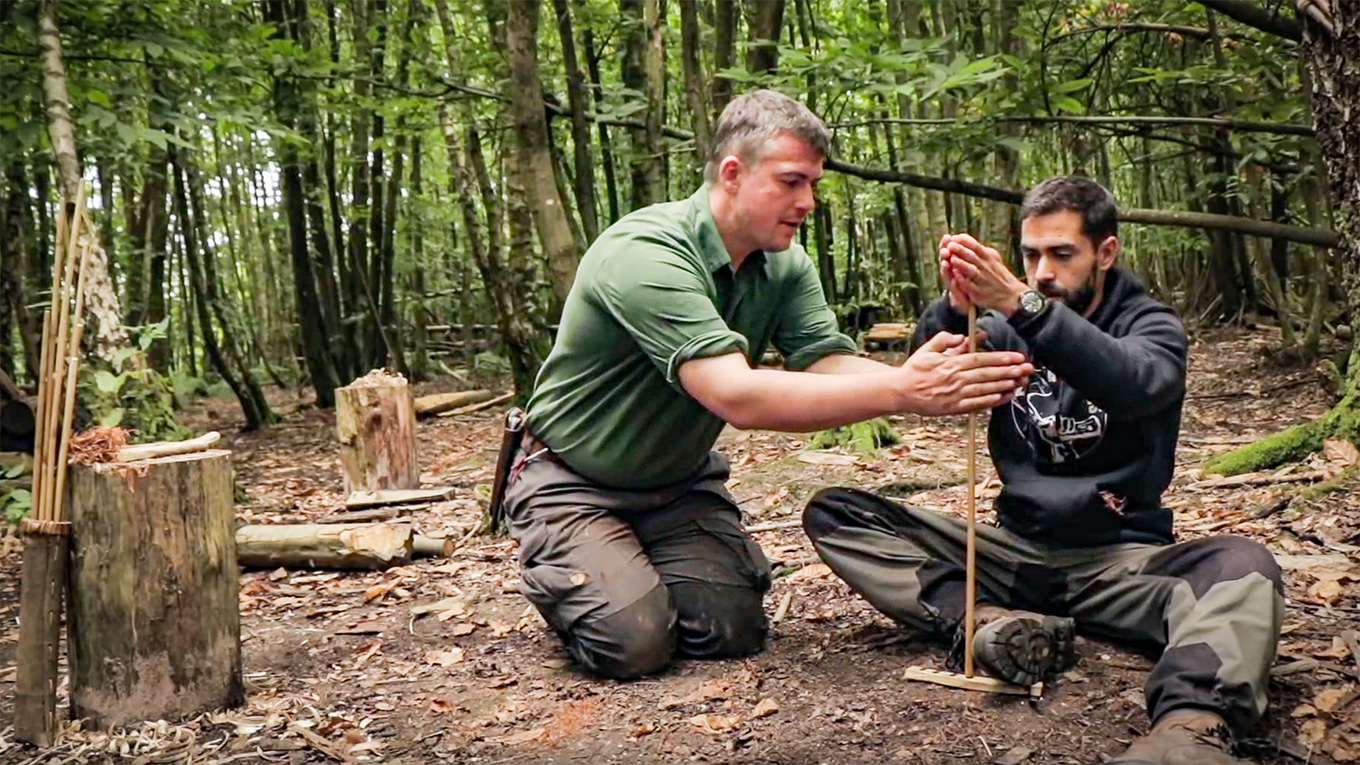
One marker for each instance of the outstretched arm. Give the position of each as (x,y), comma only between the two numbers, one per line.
(935,380)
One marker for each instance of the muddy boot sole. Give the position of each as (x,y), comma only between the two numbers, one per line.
(1023,650)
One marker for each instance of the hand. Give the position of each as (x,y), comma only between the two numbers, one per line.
(939,379)
(982,275)
(957,299)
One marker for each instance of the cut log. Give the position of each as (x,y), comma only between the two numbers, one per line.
(442,402)
(377,429)
(360,499)
(432,547)
(167,448)
(154,625)
(324,545)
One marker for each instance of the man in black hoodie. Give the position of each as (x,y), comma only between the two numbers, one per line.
(1084,453)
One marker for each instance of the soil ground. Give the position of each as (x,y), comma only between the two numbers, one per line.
(484,680)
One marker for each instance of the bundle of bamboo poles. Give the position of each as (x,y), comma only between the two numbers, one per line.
(60,363)
(46,534)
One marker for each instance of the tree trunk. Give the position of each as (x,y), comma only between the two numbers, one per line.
(508,288)
(359,178)
(580,126)
(376,426)
(606,144)
(226,316)
(373,546)
(534,160)
(154,620)
(377,337)
(203,302)
(315,342)
(16,244)
(1333,63)
(100,297)
(416,226)
(764,20)
(695,97)
(642,20)
(725,55)
(328,288)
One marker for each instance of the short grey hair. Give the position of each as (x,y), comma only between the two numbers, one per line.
(751,120)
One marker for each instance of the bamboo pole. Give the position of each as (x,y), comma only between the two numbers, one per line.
(970,566)
(70,404)
(62,311)
(39,453)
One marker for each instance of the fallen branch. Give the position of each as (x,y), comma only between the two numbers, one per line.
(168,448)
(361,516)
(773,525)
(501,399)
(1258,479)
(322,745)
(783,610)
(435,403)
(361,499)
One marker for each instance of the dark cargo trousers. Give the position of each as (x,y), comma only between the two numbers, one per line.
(630,579)
(1214,605)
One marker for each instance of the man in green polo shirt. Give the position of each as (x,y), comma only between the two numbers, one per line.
(631,547)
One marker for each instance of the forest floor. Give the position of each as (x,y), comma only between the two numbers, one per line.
(483,680)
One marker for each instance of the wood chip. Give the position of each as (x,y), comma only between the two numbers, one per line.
(827,458)
(715,724)
(445,658)
(363,628)
(765,708)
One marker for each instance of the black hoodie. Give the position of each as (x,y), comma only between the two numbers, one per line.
(1086,450)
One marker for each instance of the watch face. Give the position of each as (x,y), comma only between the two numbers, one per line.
(1032,302)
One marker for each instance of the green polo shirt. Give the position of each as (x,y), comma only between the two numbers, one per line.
(654,291)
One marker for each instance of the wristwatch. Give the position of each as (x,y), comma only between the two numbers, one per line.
(1032,303)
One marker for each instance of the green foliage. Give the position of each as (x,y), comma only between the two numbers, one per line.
(864,436)
(16,504)
(488,363)
(132,395)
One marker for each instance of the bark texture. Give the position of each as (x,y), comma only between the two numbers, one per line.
(154,622)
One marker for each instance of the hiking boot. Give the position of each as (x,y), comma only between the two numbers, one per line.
(1183,737)
(1022,647)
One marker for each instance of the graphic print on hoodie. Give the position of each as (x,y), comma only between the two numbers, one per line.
(1037,413)
(1086,450)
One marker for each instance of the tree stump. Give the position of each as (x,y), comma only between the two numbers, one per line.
(154,623)
(377,429)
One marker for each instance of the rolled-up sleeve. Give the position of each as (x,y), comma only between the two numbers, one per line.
(661,298)
(807,329)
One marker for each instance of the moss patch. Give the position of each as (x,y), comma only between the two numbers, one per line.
(1292,445)
(860,437)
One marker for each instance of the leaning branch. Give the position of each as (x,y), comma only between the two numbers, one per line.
(1198,33)
(1257,17)
(1240,126)
(1315,236)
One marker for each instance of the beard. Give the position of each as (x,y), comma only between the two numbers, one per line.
(1078,298)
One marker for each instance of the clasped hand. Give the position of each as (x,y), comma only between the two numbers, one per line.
(975,274)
